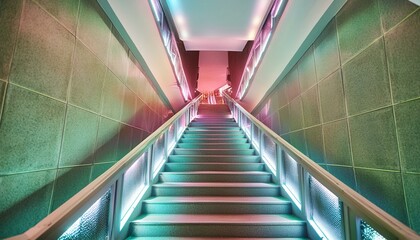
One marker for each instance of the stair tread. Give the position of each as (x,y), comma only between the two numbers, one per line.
(216,156)
(214,184)
(254,219)
(217,199)
(208,238)
(221,172)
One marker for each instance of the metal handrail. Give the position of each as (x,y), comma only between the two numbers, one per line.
(368,211)
(70,211)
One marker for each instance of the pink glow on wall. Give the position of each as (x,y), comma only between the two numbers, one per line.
(212,70)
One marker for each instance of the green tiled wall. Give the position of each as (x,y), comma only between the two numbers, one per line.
(73,101)
(352,103)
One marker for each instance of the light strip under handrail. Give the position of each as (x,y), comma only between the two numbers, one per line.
(359,204)
(79,202)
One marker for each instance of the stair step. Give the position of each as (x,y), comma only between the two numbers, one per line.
(188,132)
(210,166)
(213,124)
(215,189)
(216,176)
(213,140)
(209,238)
(210,151)
(212,136)
(217,205)
(212,128)
(213,158)
(214,145)
(219,225)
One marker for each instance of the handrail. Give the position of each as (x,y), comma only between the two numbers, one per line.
(80,202)
(356,202)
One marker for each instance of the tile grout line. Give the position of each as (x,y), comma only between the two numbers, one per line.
(347,117)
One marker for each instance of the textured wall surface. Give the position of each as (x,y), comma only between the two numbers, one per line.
(73,101)
(352,103)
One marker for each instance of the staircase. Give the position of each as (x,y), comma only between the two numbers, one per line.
(214,185)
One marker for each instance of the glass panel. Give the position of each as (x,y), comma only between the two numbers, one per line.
(171,137)
(135,179)
(269,153)
(247,127)
(158,154)
(93,224)
(291,176)
(369,233)
(256,137)
(326,210)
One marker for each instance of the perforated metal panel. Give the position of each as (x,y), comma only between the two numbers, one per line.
(291,176)
(171,135)
(158,153)
(93,224)
(326,210)
(247,127)
(369,233)
(269,152)
(256,137)
(135,179)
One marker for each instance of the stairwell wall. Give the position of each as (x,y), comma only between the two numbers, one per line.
(73,101)
(352,103)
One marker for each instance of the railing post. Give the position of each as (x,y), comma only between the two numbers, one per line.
(305,192)
(350,222)
(115,202)
(150,165)
(278,163)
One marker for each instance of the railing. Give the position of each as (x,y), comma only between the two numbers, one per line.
(104,207)
(333,210)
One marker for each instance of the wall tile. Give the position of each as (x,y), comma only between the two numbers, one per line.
(315,144)
(297,139)
(29,202)
(393,11)
(282,94)
(408,130)
(66,186)
(411,185)
(98,169)
(43,54)
(284,117)
(112,96)
(133,76)
(79,137)
(374,185)
(275,122)
(326,51)
(311,114)
(124,141)
(107,141)
(118,60)
(94,28)
(331,96)
(336,141)
(306,69)
(358,25)
(87,79)
(296,115)
(129,106)
(10,11)
(402,48)
(31,131)
(292,84)
(64,10)
(374,140)
(366,83)
(137,137)
(344,174)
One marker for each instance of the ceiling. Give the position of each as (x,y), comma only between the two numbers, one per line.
(217,25)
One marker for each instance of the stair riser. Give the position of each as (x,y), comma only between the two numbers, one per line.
(220,140)
(215,191)
(216,208)
(213,146)
(215,159)
(213,128)
(221,124)
(179,167)
(214,178)
(219,230)
(213,152)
